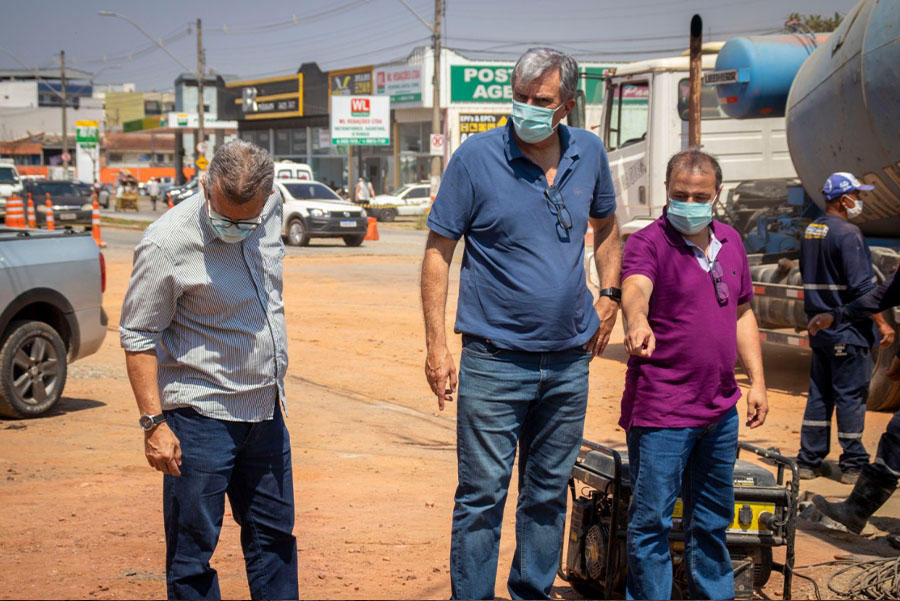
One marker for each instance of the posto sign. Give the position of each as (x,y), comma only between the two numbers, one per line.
(481,83)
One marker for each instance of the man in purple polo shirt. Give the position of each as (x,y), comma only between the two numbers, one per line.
(685,299)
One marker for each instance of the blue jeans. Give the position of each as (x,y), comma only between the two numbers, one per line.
(508,398)
(698,462)
(251,462)
(839,383)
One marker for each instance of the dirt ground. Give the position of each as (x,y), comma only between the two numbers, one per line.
(374,460)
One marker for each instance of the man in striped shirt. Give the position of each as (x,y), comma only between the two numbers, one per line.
(206,349)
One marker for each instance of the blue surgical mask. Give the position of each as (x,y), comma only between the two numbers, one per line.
(689,217)
(228,230)
(533,123)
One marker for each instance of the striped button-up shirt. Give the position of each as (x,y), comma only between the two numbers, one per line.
(213,311)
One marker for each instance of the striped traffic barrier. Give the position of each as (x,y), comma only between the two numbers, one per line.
(95,224)
(15,213)
(32,218)
(51,222)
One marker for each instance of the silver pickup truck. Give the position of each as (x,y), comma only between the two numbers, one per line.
(51,288)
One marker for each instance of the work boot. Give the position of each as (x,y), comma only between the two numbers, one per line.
(864,500)
(849,477)
(809,473)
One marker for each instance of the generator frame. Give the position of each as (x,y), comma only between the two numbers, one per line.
(610,482)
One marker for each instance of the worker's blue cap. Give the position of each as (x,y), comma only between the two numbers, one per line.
(841,183)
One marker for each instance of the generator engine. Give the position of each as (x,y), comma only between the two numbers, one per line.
(594,557)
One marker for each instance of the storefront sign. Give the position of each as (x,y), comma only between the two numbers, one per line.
(360,120)
(269,98)
(472,124)
(87,134)
(347,82)
(480,83)
(403,83)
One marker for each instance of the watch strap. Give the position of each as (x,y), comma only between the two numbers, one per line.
(613,293)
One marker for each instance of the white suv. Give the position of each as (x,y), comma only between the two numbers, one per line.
(313,210)
(10,182)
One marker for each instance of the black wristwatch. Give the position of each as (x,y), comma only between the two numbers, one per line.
(148,422)
(613,293)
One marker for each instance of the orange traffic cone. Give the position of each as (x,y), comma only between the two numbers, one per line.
(372,230)
(171,204)
(95,224)
(32,218)
(51,222)
(15,215)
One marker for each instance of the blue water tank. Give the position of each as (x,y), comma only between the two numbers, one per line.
(766,66)
(843,113)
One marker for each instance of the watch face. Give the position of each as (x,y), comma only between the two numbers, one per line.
(146,422)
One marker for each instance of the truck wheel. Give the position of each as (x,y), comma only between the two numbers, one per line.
(297,234)
(32,369)
(387,215)
(884,394)
(354,240)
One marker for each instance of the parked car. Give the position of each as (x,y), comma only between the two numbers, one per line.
(313,210)
(51,292)
(69,206)
(292,170)
(179,193)
(10,183)
(411,199)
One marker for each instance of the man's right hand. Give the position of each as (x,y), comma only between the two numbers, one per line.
(639,339)
(820,322)
(440,370)
(163,450)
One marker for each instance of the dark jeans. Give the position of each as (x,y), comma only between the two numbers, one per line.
(839,383)
(251,462)
(699,463)
(886,466)
(508,398)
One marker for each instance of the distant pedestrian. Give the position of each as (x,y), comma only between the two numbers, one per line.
(362,191)
(836,267)
(522,196)
(153,191)
(686,294)
(206,350)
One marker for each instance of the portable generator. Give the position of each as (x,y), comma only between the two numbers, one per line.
(765,512)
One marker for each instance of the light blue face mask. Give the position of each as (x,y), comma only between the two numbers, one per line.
(689,217)
(533,123)
(228,230)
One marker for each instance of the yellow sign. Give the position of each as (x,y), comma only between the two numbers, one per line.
(202,162)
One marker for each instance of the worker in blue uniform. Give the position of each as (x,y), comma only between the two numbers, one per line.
(836,267)
(878,479)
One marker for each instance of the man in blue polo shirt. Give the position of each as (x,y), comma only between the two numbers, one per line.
(836,267)
(522,196)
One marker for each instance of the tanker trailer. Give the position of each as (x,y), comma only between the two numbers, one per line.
(842,111)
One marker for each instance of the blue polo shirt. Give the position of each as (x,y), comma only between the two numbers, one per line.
(522,283)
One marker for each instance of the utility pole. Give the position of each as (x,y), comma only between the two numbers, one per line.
(695,80)
(436,98)
(201,134)
(65,102)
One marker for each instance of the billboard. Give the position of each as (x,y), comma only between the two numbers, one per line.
(481,83)
(402,83)
(360,120)
(350,82)
(269,98)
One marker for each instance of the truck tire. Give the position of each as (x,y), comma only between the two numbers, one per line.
(884,394)
(32,369)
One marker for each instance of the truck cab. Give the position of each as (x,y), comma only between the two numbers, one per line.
(645,122)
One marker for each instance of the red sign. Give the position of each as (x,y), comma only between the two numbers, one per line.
(359,107)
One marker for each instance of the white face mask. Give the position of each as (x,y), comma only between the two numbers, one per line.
(856,210)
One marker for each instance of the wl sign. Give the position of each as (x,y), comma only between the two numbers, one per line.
(360,120)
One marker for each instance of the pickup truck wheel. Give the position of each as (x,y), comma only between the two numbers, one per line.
(297,234)
(354,240)
(387,215)
(32,369)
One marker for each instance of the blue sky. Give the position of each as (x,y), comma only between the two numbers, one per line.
(268,37)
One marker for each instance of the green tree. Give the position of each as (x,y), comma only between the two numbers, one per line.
(814,23)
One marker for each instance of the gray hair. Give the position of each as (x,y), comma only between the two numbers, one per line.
(241,170)
(694,159)
(537,61)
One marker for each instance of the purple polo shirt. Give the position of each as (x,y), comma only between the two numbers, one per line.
(689,380)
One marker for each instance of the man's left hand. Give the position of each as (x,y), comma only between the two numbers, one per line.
(893,372)
(607,309)
(757,406)
(888,335)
